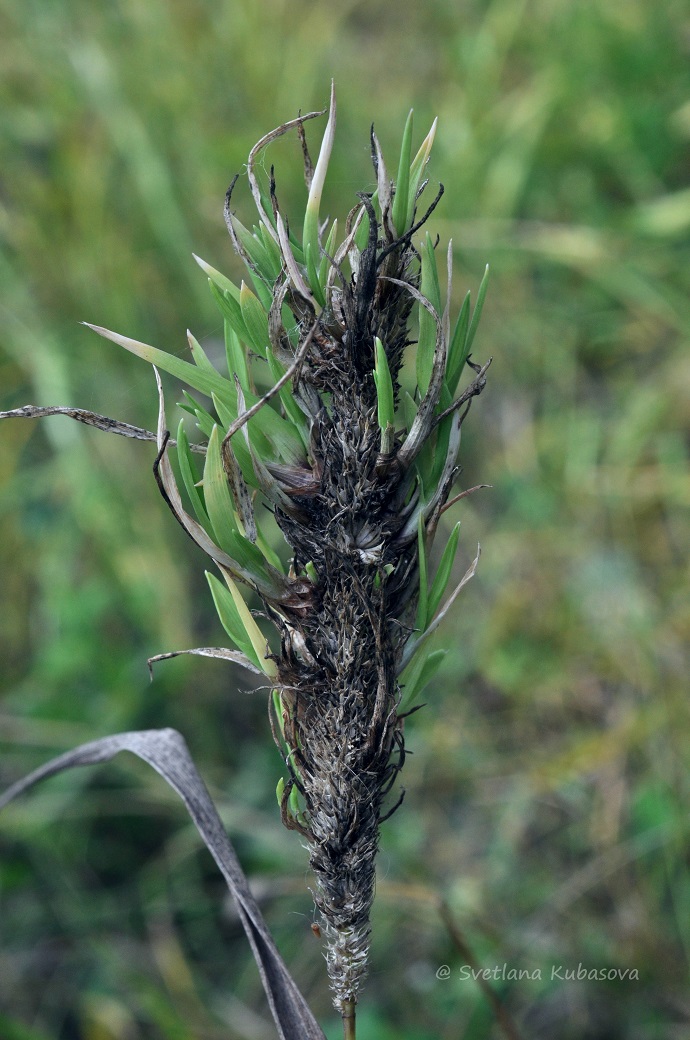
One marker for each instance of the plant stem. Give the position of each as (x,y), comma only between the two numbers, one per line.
(349,1020)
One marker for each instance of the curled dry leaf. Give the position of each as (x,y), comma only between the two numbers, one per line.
(166,751)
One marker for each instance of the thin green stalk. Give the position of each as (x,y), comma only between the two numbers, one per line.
(349,1020)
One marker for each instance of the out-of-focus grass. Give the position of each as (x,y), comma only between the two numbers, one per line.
(548,790)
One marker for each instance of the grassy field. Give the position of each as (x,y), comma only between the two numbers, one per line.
(547,796)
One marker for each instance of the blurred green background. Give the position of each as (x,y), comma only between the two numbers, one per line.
(547,796)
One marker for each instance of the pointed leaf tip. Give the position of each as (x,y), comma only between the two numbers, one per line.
(310,234)
(417,171)
(402,184)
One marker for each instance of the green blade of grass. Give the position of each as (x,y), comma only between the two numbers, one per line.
(293,411)
(458,350)
(402,184)
(255,319)
(204,419)
(445,567)
(313,276)
(217,497)
(199,355)
(236,356)
(189,479)
(479,306)
(254,633)
(417,172)
(329,250)
(384,387)
(255,250)
(426,344)
(199,378)
(271,247)
(217,278)
(221,511)
(230,618)
(310,231)
(423,602)
(231,310)
(419,673)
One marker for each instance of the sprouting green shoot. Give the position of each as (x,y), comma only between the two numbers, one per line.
(402,185)
(310,234)
(384,390)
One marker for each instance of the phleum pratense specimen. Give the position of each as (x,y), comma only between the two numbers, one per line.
(356,472)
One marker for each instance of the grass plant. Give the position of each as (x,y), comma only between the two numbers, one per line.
(547,781)
(356,484)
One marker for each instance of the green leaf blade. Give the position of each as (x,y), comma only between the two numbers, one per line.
(313,276)
(443,572)
(255,319)
(417,171)
(423,601)
(186,464)
(231,310)
(384,388)
(310,231)
(419,673)
(430,288)
(219,504)
(236,356)
(478,307)
(458,350)
(206,382)
(230,618)
(402,184)
(218,279)
(255,250)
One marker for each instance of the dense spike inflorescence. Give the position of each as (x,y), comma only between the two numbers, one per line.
(356,472)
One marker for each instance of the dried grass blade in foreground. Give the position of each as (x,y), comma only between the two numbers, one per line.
(166,751)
